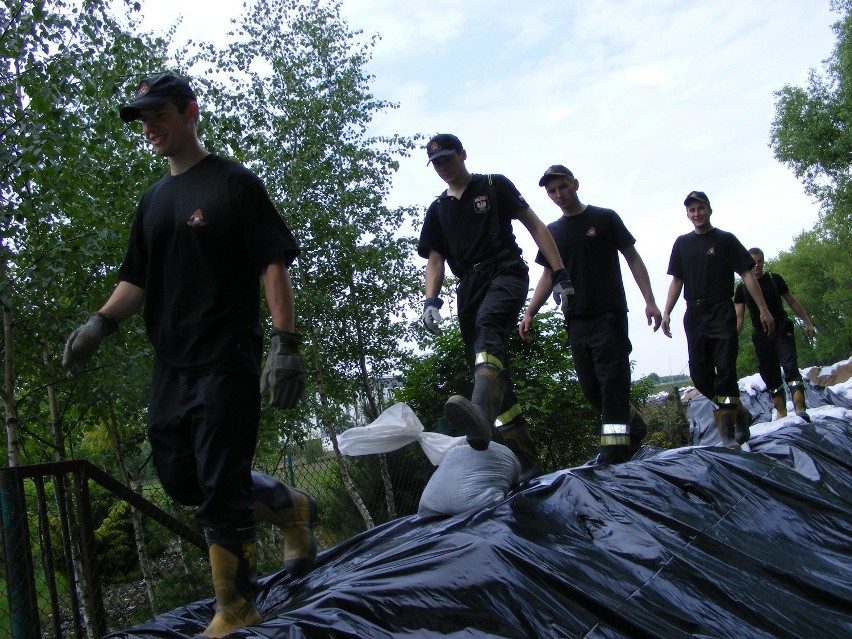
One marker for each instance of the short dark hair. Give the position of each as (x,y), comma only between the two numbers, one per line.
(755,251)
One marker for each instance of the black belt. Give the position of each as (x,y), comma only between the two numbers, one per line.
(706,301)
(490,260)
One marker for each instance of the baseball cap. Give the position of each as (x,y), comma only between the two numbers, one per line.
(701,196)
(557,170)
(154,92)
(441,145)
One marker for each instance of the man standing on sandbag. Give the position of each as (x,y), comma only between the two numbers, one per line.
(590,239)
(469,227)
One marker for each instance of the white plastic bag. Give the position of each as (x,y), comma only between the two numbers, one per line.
(396,427)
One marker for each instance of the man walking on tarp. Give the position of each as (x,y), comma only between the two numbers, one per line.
(775,352)
(203,238)
(469,226)
(702,264)
(589,239)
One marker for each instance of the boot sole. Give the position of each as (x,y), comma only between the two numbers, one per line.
(464,417)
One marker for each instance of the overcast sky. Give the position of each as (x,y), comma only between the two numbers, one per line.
(643,100)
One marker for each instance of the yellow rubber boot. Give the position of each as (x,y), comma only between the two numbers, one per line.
(294,512)
(234,570)
(726,418)
(779,400)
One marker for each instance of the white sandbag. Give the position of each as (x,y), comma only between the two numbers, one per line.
(470,479)
(396,427)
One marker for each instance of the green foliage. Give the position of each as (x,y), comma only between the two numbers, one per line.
(812,134)
(115,541)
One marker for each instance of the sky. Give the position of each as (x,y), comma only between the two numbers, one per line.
(644,101)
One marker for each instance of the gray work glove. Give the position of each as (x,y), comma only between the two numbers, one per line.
(563,289)
(431,315)
(284,372)
(84,341)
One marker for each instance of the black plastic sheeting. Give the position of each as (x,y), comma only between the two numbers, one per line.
(695,542)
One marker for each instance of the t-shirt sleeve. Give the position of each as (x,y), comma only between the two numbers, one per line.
(430,236)
(271,237)
(780,284)
(741,258)
(509,196)
(623,238)
(676,261)
(134,268)
(739,294)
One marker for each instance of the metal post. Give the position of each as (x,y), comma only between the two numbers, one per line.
(23,604)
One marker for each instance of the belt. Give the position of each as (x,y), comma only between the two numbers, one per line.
(488,261)
(706,301)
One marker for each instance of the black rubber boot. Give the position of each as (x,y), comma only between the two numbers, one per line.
(516,437)
(742,433)
(475,417)
(294,512)
(234,570)
(615,444)
(638,430)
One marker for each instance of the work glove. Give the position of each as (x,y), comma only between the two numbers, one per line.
(284,372)
(563,289)
(84,341)
(431,315)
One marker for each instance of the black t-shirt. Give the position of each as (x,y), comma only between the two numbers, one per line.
(198,245)
(773,288)
(589,244)
(706,263)
(463,230)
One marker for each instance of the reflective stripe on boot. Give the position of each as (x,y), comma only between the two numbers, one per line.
(615,444)
(475,417)
(234,571)
(294,512)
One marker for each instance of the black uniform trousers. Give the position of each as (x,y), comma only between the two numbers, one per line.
(203,431)
(601,348)
(490,301)
(776,352)
(712,342)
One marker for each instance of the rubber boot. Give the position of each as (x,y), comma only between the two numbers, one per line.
(294,512)
(779,400)
(234,570)
(638,430)
(742,432)
(726,419)
(797,391)
(615,444)
(476,416)
(516,437)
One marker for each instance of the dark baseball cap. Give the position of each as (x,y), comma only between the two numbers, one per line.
(441,145)
(152,93)
(701,196)
(557,170)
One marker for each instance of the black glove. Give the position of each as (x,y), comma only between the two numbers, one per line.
(284,372)
(431,315)
(84,341)
(563,289)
